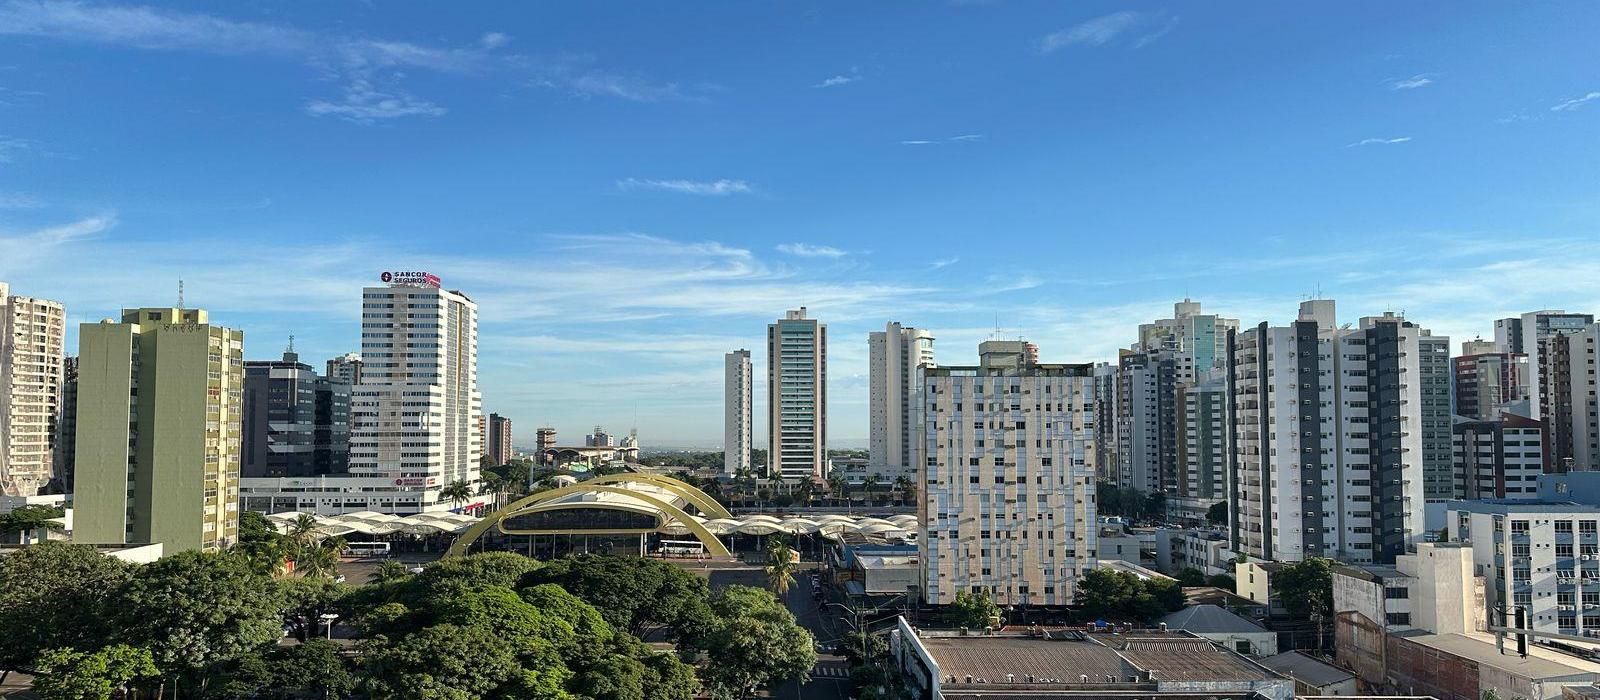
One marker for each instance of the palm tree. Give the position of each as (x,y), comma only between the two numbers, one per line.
(389,571)
(457,491)
(903,485)
(321,560)
(838,486)
(493,485)
(303,531)
(780,565)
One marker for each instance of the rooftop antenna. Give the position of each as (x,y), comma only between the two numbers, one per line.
(180,292)
(291,343)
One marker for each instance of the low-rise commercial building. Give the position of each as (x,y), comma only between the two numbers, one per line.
(1434,589)
(1060,664)
(1543,556)
(1218,625)
(1313,677)
(1206,550)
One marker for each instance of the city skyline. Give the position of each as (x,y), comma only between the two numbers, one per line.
(682,218)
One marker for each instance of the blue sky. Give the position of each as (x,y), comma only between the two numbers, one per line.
(630,190)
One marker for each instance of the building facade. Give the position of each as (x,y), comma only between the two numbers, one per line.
(1327,447)
(1543,556)
(66,456)
(1204,336)
(1488,383)
(797,397)
(160,403)
(416,410)
(1571,415)
(345,368)
(32,361)
(738,386)
(1527,334)
(296,422)
(500,449)
(1498,458)
(544,439)
(1202,448)
(895,357)
(1007,480)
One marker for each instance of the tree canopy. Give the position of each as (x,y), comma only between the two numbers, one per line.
(1123,596)
(1306,588)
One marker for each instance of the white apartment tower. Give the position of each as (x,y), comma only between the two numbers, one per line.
(32,357)
(1006,468)
(797,396)
(737,379)
(1572,416)
(1328,437)
(896,355)
(415,412)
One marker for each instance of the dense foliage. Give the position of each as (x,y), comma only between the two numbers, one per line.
(494,625)
(1129,503)
(973,610)
(1119,595)
(1306,588)
(1217,514)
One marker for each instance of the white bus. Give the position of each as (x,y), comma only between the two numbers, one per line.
(366,549)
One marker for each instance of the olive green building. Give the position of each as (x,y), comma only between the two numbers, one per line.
(160,397)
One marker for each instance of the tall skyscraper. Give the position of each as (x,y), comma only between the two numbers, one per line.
(797,396)
(1529,334)
(419,389)
(296,423)
(1005,453)
(1108,465)
(1571,416)
(1328,437)
(895,357)
(345,368)
(32,356)
(1202,447)
(737,415)
(160,400)
(1487,383)
(1147,417)
(500,448)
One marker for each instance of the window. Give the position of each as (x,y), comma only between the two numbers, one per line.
(1586,527)
(1396,593)
(1399,618)
(1563,527)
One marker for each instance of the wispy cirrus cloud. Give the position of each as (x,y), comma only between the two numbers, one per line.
(807,250)
(1141,27)
(943,263)
(1378,142)
(23,249)
(19,200)
(371,92)
(708,188)
(363,104)
(1576,102)
(840,79)
(963,138)
(1411,83)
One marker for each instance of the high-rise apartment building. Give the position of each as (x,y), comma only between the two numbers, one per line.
(1202,447)
(1528,334)
(1434,369)
(599,438)
(1571,416)
(416,409)
(1327,455)
(500,449)
(1204,336)
(1490,382)
(895,357)
(1006,462)
(1108,464)
(296,423)
(1147,417)
(32,356)
(66,456)
(797,396)
(544,438)
(345,368)
(737,413)
(160,401)
(1500,458)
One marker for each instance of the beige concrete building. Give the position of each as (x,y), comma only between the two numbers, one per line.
(1006,455)
(32,353)
(160,403)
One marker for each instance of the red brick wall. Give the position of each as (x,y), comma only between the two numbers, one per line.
(1358,645)
(1421,670)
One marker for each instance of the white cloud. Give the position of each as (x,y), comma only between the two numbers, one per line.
(1576,102)
(494,40)
(23,250)
(711,188)
(836,81)
(19,200)
(364,105)
(943,263)
(806,250)
(1411,83)
(10,146)
(1379,142)
(1106,29)
(949,139)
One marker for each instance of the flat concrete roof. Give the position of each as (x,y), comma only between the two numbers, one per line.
(1540,662)
(993,657)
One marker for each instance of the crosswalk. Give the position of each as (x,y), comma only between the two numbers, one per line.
(830,672)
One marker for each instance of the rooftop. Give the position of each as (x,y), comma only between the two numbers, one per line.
(1306,669)
(1145,655)
(1202,619)
(1507,506)
(1540,662)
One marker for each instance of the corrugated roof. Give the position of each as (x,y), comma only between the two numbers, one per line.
(1306,669)
(1205,618)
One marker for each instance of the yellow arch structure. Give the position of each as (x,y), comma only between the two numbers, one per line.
(531,504)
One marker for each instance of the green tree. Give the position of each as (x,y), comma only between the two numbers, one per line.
(195,610)
(305,600)
(65,674)
(445,662)
(780,566)
(30,518)
(457,492)
(55,595)
(633,594)
(505,569)
(1121,595)
(319,560)
(1223,581)
(1217,514)
(313,669)
(753,641)
(390,571)
(1190,576)
(1306,588)
(974,610)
